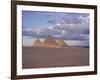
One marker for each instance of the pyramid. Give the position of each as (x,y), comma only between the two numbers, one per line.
(62,43)
(37,43)
(50,42)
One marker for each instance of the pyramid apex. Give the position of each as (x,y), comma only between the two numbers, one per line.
(37,42)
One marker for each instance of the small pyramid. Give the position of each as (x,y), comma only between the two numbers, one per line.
(62,43)
(50,42)
(37,43)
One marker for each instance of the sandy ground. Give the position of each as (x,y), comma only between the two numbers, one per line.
(40,57)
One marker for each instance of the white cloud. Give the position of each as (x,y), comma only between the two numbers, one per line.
(74,26)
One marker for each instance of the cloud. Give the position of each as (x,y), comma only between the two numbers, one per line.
(68,26)
(27,32)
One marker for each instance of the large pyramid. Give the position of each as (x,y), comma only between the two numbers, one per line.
(50,42)
(37,43)
(62,43)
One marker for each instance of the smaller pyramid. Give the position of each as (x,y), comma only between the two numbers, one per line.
(37,43)
(62,43)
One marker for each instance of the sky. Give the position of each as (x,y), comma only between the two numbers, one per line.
(60,25)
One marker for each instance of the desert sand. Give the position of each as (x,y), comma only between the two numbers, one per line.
(44,57)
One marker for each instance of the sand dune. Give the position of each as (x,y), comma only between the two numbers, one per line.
(43,57)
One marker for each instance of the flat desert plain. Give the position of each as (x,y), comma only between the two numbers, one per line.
(43,57)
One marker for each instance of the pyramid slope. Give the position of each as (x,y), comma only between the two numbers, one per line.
(50,42)
(62,43)
(37,43)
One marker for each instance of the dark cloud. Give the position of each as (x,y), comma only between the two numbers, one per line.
(66,26)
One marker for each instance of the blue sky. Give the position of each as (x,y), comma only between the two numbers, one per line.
(34,20)
(66,26)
